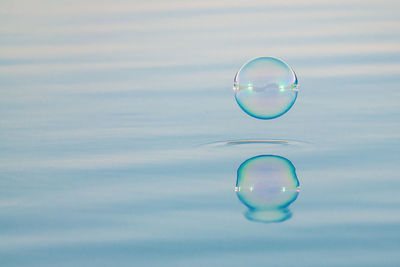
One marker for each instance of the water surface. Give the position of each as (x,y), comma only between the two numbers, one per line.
(117,121)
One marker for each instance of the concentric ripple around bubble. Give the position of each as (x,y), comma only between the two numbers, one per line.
(265,87)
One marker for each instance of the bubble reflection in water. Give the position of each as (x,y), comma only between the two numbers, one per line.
(267,185)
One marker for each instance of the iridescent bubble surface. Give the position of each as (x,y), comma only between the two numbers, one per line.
(265,87)
(267,185)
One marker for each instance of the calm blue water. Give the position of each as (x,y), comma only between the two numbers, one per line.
(114,117)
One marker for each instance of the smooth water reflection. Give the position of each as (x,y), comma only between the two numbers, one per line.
(267,185)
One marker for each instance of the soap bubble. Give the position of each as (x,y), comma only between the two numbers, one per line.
(267,185)
(265,87)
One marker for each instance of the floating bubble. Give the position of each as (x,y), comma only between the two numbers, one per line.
(265,87)
(267,185)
